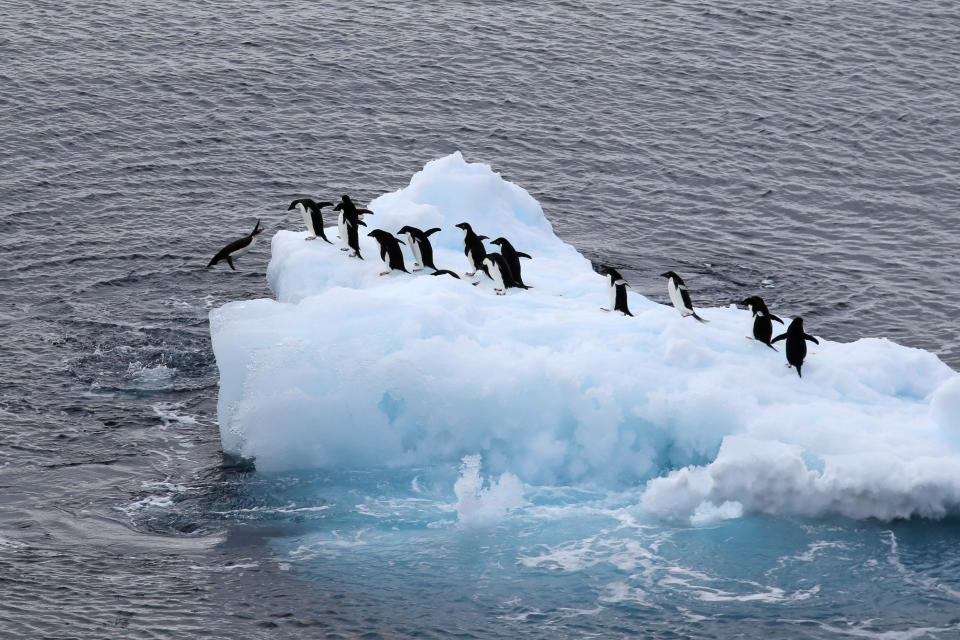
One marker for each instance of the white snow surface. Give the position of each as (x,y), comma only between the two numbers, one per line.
(350,369)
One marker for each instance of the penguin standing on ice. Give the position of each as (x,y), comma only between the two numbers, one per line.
(390,251)
(349,215)
(420,246)
(473,248)
(796,344)
(762,319)
(238,247)
(679,295)
(512,256)
(617,287)
(353,224)
(495,266)
(311,216)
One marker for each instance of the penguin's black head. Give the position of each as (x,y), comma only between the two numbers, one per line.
(499,241)
(376,233)
(754,302)
(345,198)
(796,325)
(464,225)
(405,229)
(669,274)
(613,273)
(293,205)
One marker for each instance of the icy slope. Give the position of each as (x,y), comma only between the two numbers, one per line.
(349,369)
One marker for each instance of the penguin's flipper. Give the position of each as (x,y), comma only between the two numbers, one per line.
(521,254)
(361,223)
(230,262)
(811,338)
(429,231)
(445,272)
(694,314)
(365,211)
(782,336)
(483,237)
(773,317)
(401,242)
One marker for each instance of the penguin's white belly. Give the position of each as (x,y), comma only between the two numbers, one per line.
(470,259)
(415,248)
(613,296)
(306,219)
(342,227)
(242,250)
(676,298)
(495,274)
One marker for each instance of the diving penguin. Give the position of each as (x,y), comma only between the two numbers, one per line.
(796,343)
(238,247)
(679,295)
(390,251)
(617,287)
(420,246)
(311,216)
(762,319)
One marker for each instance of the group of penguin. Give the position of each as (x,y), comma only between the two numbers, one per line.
(503,268)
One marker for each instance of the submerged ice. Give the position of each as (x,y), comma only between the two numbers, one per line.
(349,369)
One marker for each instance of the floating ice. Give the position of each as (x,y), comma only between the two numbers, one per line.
(349,369)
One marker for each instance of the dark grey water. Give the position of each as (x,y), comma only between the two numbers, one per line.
(808,151)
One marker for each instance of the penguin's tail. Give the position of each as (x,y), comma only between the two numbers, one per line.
(770,345)
(798,370)
(698,318)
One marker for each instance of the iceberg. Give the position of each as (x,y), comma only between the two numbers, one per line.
(349,369)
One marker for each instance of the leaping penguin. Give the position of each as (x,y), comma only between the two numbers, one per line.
(420,246)
(473,248)
(679,295)
(618,291)
(762,319)
(512,256)
(238,247)
(796,344)
(311,216)
(390,251)
(348,211)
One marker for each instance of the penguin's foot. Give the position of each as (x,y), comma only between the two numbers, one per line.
(416,264)
(470,274)
(475,283)
(311,238)
(344,249)
(383,273)
(338,237)
(500,293)
(604,309)
(418,268)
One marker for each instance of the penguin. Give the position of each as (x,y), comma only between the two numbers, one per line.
(390,251)
(679,295)
(311,216)
(512,256)
(348,210)
(472,248)
(796,344)
(445,272)
(353,224)
(238,247)
(617,288)
(420,246)
(762,319)
(495,266)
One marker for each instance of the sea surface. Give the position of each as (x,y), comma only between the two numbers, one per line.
(807,151)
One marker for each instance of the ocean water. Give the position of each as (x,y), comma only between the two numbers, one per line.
(803,151)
